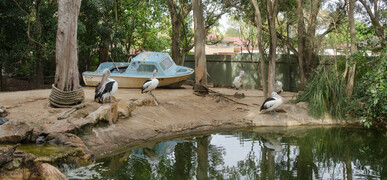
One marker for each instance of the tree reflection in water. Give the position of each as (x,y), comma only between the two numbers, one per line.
(259,153)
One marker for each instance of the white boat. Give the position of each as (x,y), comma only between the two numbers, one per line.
(134,73)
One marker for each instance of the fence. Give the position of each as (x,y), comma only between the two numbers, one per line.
(223,68)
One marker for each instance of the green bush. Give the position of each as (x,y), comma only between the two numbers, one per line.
(370,92)
(325,94)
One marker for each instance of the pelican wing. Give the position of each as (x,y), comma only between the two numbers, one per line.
(269,102)
(146,84)
(108,87)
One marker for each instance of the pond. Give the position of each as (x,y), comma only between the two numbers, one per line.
(256,153)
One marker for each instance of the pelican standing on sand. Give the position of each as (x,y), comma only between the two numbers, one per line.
(271,103)
(106,88)
(238,80)
(150,84)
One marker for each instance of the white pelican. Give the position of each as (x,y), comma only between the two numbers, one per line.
(150,84)
(278,87)
(238,80)
(271,103)
(106,88)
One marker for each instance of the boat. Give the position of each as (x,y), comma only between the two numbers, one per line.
(135,72)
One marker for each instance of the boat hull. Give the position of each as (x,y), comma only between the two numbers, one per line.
(136,82)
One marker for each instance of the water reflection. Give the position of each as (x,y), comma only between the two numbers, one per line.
(260,153)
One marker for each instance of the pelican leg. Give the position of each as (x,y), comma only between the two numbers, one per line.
(271,112)
(156,102)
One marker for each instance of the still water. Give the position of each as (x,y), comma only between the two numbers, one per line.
(258,153)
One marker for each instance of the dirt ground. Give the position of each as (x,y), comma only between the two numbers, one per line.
(180,111)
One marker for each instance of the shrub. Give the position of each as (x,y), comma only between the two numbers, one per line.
(370,93)
(325,93)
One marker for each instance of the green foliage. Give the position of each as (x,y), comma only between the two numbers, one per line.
(325,94)
(370,95)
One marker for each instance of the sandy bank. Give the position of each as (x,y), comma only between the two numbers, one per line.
(179,112)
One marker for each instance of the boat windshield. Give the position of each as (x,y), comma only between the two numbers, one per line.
(120,69)
(146,68)
(166,63)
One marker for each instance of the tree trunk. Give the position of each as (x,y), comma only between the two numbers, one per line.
(104,49)
(311,38)
(300,57)
(176,25)
(202,153)
(178,15)
(352,69)
(67,75)
(176,39)
(272,14)
(1,76)
(38,54)
(260,46)
(200,40)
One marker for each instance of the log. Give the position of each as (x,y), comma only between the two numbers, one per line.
(8,156)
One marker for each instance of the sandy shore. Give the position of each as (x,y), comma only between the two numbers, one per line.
(179,112)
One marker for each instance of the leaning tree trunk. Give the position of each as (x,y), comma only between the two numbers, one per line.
(351,72)
(67,75)
(66,90)
(260,46)
(200,53)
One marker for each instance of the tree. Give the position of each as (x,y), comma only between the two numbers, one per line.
(39,20)
(308,40)
(300,30)
(352,68)
(178,11)
(231,32)
(67,75)
(180,19)
(200,41)
(258,20)
(272,12)
(375,19)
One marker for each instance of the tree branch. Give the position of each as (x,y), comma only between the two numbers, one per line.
(28,24)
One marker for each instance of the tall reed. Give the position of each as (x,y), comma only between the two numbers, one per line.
(325,93)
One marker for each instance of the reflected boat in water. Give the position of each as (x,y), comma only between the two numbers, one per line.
(258,153)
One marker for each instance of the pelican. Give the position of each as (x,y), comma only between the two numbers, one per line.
(238,80)
(271,103)
(150,84)
(106,88)
(278,87)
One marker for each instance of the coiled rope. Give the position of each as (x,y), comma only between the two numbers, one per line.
(66,99)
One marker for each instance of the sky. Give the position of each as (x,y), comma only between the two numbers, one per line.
(224,23)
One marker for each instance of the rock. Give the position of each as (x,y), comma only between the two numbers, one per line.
(14,164)
(239,95)
(35,134)
(3,120)
(45,172)
(123,110)
(15,131)
(42,159)
(3,111)
(40,140)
